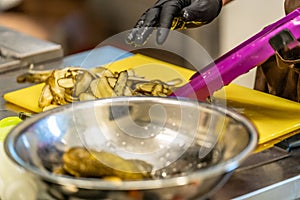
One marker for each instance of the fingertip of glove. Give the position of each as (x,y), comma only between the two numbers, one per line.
(162,34)
(130,37)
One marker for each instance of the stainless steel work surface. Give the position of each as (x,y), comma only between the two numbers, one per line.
(18,50)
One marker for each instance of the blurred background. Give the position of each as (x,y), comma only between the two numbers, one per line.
(79,25)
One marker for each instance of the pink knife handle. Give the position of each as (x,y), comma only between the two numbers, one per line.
(239,60)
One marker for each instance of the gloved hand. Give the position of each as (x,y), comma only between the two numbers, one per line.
(162,14)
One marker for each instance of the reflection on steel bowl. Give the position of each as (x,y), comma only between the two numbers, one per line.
(188,148)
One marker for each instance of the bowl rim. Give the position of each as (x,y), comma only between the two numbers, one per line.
(98,183)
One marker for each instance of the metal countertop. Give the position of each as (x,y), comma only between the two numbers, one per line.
(270,174)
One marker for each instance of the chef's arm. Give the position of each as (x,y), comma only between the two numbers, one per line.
(291,5)
(226,1)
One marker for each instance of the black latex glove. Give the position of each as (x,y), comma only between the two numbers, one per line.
(162,15)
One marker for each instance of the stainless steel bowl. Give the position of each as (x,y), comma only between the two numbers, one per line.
(193,147)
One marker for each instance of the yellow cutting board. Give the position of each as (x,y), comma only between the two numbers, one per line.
(275,118)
